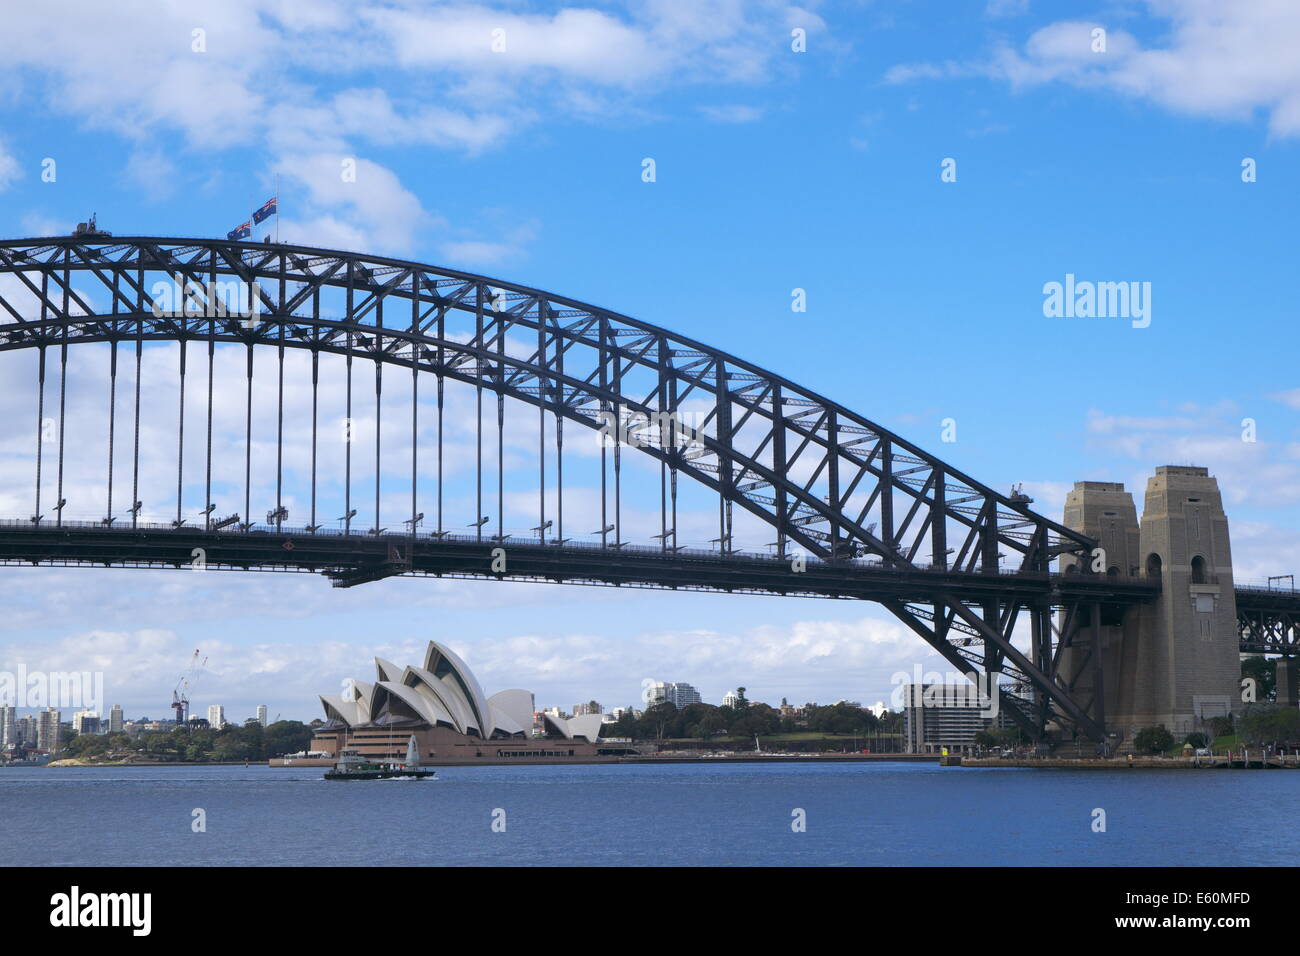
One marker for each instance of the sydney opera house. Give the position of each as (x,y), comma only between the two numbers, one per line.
(453,721)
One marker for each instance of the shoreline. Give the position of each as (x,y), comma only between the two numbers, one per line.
(674,758)
(280,763)
(1290,762)
(77,762)
(1123,763)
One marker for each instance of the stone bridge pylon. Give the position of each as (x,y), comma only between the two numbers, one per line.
(1174,660)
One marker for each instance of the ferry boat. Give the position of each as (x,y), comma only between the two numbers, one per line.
(351,765)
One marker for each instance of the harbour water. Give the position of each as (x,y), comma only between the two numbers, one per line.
(856,814)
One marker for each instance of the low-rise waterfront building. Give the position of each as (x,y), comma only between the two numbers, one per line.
(938,717)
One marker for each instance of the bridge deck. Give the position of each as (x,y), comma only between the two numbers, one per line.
(359,557)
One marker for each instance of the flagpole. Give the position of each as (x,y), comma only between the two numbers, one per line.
(277,209)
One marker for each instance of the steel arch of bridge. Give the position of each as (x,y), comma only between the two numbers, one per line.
(828,481)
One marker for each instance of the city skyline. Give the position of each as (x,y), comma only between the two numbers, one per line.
(204,708)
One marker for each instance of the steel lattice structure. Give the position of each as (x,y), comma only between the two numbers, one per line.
(878,518)
(1268,620)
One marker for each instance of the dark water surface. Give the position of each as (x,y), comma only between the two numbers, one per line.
(857,814)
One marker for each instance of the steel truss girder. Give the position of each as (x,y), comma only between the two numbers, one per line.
(1269,632)
(1268,620)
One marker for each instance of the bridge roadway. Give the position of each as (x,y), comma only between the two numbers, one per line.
(349,559)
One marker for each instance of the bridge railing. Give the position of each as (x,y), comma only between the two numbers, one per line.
(1256,588)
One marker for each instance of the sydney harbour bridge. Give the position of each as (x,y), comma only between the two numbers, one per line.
(269,407)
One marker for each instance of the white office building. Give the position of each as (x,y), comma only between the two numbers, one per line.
(678,694)
(261,714)
(938,717)
(216,716)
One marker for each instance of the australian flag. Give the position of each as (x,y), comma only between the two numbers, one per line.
(267,211)
(243,232)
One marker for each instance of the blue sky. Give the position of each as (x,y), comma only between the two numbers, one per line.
(775,170)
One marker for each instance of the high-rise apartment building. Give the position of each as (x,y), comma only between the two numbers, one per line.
(678,694)
(9,726)
(47,730)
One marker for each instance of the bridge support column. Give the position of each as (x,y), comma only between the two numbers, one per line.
(1286,682)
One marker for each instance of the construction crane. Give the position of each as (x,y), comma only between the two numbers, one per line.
(180,694)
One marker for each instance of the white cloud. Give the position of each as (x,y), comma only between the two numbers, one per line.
(800,660)
(370,114)
(1100,423)
(36,224)
(274,76)
(1257,473)
(152,172)
(586,44)
(1261,549)
(140,668)
(369,212)
(1227,61)
(733,114)
(478,252)
(9,168)
(911,72)
(281,72)
(1006,8)
(1049,496)
(1290,398)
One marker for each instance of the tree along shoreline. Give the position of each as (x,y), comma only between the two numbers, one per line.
(708,723)
(194,746)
